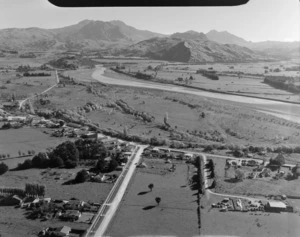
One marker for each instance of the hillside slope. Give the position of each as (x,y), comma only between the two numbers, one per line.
(190,47)
(282,50)
(86,34)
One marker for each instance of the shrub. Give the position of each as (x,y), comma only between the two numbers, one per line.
(3,168)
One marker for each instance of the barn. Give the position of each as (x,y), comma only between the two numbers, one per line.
(275,206)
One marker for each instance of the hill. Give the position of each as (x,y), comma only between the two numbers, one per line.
(225,37)
(86,34)
(190,47)
(282,50)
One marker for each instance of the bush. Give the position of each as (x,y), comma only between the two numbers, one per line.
(3,168)
(81,176)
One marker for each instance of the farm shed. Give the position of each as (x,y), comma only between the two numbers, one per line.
(275,206)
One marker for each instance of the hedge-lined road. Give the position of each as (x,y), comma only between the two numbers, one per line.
(110,206)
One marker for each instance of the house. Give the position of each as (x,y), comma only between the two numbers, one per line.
(251,163)
(188,156)
(9,105)
(275,206)
(16,118)
(74,205)
(56,232)
(64,231)
(11,201)
(27,201)
(142,165)
(71,215)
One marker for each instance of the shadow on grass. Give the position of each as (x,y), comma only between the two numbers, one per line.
(148,207)
(183,186)
(69,182)
(143,193)
(232,180)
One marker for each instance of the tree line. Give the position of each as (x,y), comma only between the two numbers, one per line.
(38,74)
(208,74)
(282,83)
(68,155)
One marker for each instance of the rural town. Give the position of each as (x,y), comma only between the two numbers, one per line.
(110,130)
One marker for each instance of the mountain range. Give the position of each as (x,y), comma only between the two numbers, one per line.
(120,39)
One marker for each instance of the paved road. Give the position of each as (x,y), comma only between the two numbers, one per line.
(109,207)
(48,89)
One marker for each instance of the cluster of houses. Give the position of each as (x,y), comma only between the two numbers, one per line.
(66,210)
(17,121)
(243,205)
(168,154)
(55,232)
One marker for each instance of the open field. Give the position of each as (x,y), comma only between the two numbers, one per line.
(177,213)
(23,87)
(139,215)
(24,139)
(234,122)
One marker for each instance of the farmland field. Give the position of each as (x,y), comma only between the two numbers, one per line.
(24,139)
(139,215)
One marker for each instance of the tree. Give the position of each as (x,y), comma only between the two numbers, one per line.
(150,186)
(82,176)
(279,160)
(157,199)
(100,164)
(3,168)
(239,174)
(65,151)
(113,164)
(70,164)
(56,161)
(27,164)
(40,160)
(125,132)
(296,171)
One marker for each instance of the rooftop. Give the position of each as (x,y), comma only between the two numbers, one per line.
(276,204)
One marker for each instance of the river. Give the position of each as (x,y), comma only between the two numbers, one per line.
(287,111)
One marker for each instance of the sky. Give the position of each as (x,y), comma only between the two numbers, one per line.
(258,20)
